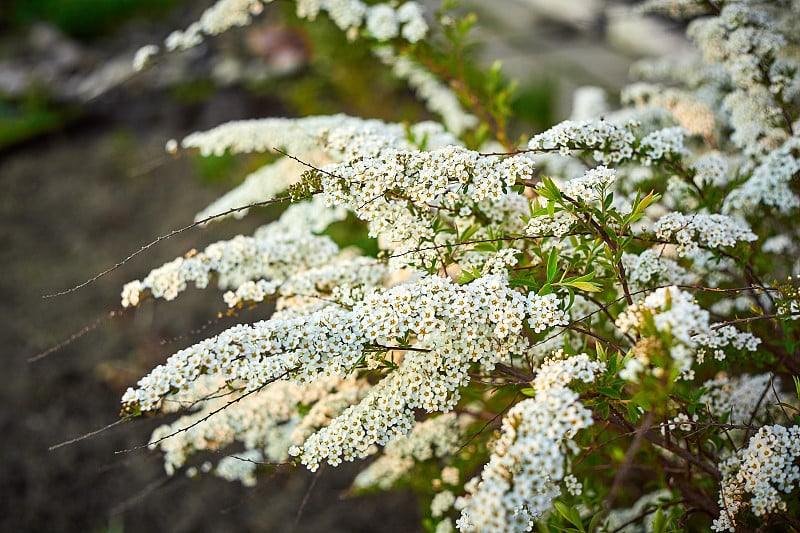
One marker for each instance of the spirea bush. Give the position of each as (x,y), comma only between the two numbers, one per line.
(593,328)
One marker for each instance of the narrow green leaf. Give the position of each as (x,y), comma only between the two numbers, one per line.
(608,200)
(659,522)
(570,514)
(586,286)
(484,247)
(797,386)
(594,523)
(552,265)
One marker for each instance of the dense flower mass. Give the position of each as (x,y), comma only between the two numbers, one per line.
(672,313)
(522,476)
(593,330)
(769,466)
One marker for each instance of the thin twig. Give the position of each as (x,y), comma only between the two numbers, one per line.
(752,319)
(622,472)
(305,163)
(86,436)
(139,496)
(306,497)
(163,238)
(77,335)
(489,423)
(209,415)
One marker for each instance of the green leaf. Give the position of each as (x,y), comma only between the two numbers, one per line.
(639,207)
(609,392)
(484,247)
(797,386)
(608,200)
(552,265)
(524,281)
(528,391)
(469,232)
(594,523)
(602,355)
(551,208)
(659,522)
(586,277)
(586,286)
(466,275)
(570,514)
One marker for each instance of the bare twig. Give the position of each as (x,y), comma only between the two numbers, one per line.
(624,468)
(86,436)
(77,335)
(163,238)
(306,497)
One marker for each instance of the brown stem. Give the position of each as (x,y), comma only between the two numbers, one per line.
(652,437)
(596,336)
(511,371)
(625,467)
(611,244)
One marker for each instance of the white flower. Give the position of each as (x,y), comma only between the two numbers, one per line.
(143,55)
(382,22)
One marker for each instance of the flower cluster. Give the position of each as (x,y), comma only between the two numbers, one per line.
(520,480)
(337,280)
(382,21)
(740,399)
(590,186)
(558,225)
(275,252)
(769,466)
(606,142)
(711,170)
(693,231)
(651,267)
(396,191)
(455,326)
(433,438)
(672,315)
(745,41)
(769,183)
(240,467)
(266,422)
(300,136)
(663,144)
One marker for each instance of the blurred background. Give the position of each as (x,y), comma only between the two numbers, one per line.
(85,180)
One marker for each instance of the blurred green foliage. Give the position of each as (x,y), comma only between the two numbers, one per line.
(30,117)
(84,19)
(351,232)
(534,105)
(228,169)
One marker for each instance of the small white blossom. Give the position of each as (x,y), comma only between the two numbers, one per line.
(143,56)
